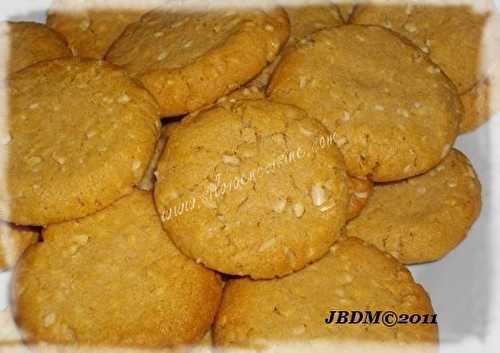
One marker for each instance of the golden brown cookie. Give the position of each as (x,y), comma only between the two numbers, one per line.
(392,113)
(306,18)
(14,240)
(423,218)
(29,43)
(189,59)
(91,26)
(451,35)
(242,189)
(80,136)
(113,279)
(292,311)
(359,191)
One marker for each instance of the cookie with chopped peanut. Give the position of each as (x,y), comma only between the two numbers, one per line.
(293,314)
(423,218)
(80,135)
(392,112)
(113,279)
(28,43)
(305,18)
(189,59)
(452,36)
(245,189)
(92,26)
(359,191)
(14,240)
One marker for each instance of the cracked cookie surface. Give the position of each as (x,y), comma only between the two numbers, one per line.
(423,218)
(292,310)
(393,113)
(242,189)
(80,136)
(189,59)
(29,43)
(452,36)
(113,278)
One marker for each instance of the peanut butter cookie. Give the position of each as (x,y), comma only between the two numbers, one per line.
(244,189)
(393,113)
(423,218)
(80,136)
(113,279)
(290,314)
(190,59)
(452,36)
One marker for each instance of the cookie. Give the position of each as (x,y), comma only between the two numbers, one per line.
(359,191)
(392,112)
(80,136)
(451,35)
(29,43)
(305,19)
(148,180)
(14,240)
(244,189)
(291,312)
(113,279)
(423,218)
(91,27)
(190,59)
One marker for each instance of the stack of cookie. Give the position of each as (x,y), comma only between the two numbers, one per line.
(306,155)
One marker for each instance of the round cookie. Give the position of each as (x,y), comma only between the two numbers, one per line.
(433,216)
(113,279)
(92,26)
(29,43)
(14,240)
(359,191)
(242,189)
(305,19)
(290,312)
(393,114)
(451,35)
(80,136)
(189,59)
